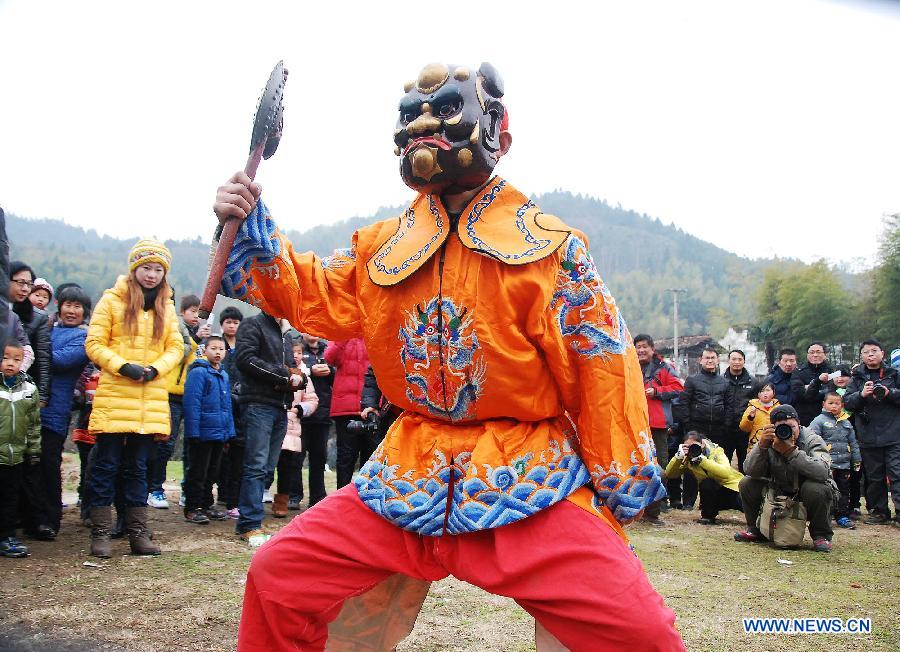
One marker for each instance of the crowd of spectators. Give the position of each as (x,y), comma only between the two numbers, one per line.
(255,401)
(812,435)
(131,374)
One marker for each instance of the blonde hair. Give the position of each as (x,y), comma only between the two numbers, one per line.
(134,305)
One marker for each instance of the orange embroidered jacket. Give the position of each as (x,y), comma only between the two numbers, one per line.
(515,370)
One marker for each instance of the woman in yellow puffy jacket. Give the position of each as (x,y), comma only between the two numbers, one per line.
(133,338)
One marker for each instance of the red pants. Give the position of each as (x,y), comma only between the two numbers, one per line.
(565,567)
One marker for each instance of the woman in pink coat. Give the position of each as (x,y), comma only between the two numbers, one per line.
(290,463)
(351,360)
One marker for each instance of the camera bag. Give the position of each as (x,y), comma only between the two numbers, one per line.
(782,519)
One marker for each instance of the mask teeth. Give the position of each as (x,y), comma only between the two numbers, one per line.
(475,134)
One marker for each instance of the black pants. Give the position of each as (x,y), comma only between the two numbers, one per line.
(84,456)
(10,488)
(231,470)
(843,478)
(815,496)
(205,457)
(715,498)
(689,489)
(660,442)
(857,490)
(290,471)
(882,462)
(51,475)
(33,508)
(673,485)
(741,441)
(352,448)
(315,444)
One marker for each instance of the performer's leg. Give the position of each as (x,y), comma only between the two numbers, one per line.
(299,580)
(573,573)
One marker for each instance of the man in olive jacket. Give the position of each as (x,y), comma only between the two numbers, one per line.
(801,465)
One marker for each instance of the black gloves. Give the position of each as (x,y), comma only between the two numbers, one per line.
(133,371)
(137,372)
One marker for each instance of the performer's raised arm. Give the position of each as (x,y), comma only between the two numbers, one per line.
(317,295)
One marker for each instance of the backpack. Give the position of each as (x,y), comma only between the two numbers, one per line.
(782,519)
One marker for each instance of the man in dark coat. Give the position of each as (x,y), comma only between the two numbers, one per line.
(702,408)
(781,374)
(738,395)
(874,398)
(264,357)
(807,381)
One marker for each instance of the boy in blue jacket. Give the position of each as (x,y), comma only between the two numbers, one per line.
(834,426)
(208,424)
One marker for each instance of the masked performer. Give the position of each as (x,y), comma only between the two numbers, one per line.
(524,442)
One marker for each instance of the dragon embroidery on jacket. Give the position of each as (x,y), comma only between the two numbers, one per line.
(585,310)
(442,359)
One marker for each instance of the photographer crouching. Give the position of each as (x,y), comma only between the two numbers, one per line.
(787,483)
(718,481)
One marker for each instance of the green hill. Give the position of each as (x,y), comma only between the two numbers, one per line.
(638,256)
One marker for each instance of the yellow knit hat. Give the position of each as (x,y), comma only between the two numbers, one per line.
(149,251)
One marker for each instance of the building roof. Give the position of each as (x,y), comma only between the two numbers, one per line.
(687,342)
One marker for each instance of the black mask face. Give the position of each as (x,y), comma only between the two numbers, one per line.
(448,131)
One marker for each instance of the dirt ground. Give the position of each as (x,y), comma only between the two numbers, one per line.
(190,597)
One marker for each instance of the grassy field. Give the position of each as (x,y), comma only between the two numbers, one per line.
(190,597)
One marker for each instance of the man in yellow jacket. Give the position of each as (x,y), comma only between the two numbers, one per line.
(718,480)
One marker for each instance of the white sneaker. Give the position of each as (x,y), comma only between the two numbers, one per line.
(157,499)
(267,497)
(182,501)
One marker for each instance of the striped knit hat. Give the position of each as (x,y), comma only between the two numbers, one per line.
(149,251)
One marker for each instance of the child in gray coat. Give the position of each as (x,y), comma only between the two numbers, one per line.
(834,426)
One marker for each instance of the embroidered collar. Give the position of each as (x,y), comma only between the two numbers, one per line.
(499,222)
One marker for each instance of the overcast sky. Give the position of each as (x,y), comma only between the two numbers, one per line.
(766,127)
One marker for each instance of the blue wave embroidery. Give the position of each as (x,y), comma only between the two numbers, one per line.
(257,243)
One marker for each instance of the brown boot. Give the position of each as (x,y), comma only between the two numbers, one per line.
(280,506)
(138,534)
(101,526)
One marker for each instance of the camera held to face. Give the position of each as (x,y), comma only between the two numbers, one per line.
(784,432)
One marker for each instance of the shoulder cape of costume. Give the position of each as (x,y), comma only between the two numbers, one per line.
(499,222)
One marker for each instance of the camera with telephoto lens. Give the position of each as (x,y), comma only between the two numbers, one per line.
(784,431)
(694,451)
(880,391)
(368,427)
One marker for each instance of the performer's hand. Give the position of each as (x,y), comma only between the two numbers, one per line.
(236,198)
